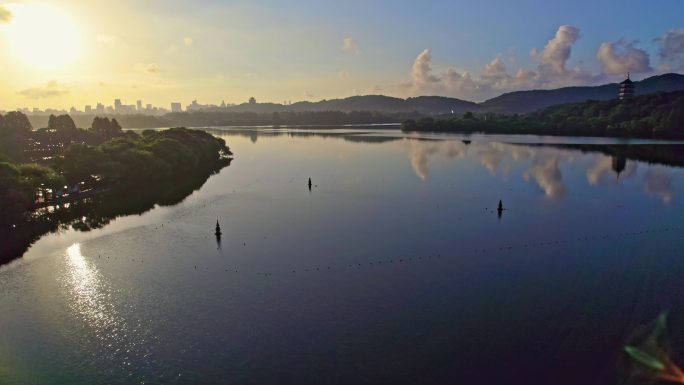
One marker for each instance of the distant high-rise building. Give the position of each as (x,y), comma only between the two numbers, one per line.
(148,107)
(626,89)
(117,105)
(176,107)
(138,105)
(100,108)
(88,109)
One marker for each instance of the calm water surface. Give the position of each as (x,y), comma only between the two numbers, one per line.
(394,268)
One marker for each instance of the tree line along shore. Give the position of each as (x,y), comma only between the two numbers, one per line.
(62,166)
(658,115)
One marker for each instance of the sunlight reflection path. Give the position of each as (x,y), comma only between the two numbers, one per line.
(92,300)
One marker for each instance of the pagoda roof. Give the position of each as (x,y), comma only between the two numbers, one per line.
(627,81)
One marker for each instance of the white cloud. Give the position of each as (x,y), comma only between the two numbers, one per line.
(495,72)
(621,57)
(151,68)
(350,46)
(546,172)
(5,15)
(185,42)
(421,153)
(424,81)
(557,51)
(421,72)
(672,49)
(552,71)
(50,90)
(603,172)
(658,183)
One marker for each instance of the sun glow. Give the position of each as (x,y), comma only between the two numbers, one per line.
(43,36)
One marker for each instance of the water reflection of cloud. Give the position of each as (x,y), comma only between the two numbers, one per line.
(658,182)
(547,174)
(521,153)
(545,171)
(603,172)
(421,152)
(491,155)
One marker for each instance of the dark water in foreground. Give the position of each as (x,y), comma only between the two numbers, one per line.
(393,269)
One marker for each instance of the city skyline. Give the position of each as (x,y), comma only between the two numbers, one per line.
(213,51)
(118,106)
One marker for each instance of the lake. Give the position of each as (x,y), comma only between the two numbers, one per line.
(393,268)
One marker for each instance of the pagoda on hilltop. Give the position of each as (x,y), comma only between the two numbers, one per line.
(626,89)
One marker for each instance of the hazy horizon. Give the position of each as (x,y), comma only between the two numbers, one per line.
(64,54)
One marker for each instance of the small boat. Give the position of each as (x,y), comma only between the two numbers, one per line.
(218,229)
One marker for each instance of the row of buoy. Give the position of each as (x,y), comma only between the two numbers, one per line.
(217,230)
(404,260)
(481,251)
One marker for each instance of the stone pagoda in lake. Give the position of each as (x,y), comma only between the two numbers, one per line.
(626,89)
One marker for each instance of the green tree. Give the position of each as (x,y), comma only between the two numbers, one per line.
(62,124)
(16,123)
(80,161)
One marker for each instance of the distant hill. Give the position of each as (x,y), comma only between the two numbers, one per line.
(528,101)
(369,109)
(428,105)
(511,102)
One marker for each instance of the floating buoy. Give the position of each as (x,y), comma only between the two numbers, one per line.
(218,229)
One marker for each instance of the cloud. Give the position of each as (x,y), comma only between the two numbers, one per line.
(151,68)
(495,73)
(552,69)
(491,155)
(107,39)
(186,42)
(5,15)
(421,72)
(494,78)
(658,182)
(604,171)
(672,49)
(424,81)
(621,57)
(421,153)
(349,45)
(50,90)
(557,51)
(547,174)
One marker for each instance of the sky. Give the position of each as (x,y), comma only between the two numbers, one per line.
(67,53)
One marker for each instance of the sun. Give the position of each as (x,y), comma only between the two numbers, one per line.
(43,36)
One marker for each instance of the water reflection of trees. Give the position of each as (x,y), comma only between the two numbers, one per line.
(359,135)
(96,212)
(613,164)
